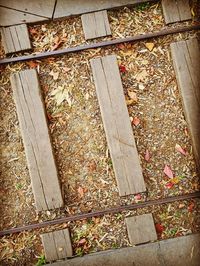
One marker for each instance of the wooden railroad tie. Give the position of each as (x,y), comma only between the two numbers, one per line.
(141,229)
(57,245)
(176,10)
(96,24)
(117,125)
(38,149)
(15,38)
(186,55)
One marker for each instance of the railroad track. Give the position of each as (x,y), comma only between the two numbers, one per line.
(48,194)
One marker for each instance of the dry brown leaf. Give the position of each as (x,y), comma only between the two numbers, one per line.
(133,96)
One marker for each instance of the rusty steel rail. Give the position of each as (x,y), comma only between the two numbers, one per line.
(99,44)
(113,210)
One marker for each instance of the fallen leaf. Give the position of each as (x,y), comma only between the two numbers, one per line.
(129,102)
(159,228)
(33,31)
(122,69)
(168,171)
(60,94)
(121,46)
(191,207)
(149,46)
(82,241)
(141,86)
(57,43)
(136,121)
(32,64)
(181,205)
(169,185)
(55,75)
(81,191)
(147,156)
(133,96)
(141,76)
(137,197)
(92,166)
(175,180)
(180,149)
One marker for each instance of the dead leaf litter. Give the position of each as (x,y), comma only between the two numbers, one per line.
(76,128)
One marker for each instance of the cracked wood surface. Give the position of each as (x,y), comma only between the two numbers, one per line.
(117,125)
(95,24)
(34,129)
(176,10)
(186,55)
(15,38)
(57,245)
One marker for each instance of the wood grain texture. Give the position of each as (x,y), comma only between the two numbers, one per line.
(117,125)
(9,17)
(176,10)
(71,7)
(95,24)
(186,55)
(57,245)
(15,38)
(42,8)
(141,229)
(34,129)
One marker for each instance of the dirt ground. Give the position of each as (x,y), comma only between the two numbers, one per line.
(82,156)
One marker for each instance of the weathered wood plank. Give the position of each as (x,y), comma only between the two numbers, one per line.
(42,8)
(177,251)
(57,245)
(71,7)
(117,125)
(34,129)
(176,10)
(95,24)
(15,38)
(185,55)
(141,229)
(9,17)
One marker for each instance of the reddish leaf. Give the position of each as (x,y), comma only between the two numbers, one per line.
(121,46)
(169,185)
(159,228)
(180,149)
(122,68)
(136,121)
(168,171)
(147,156)
(33,31)
(191,207)
(137,197)
(32,64)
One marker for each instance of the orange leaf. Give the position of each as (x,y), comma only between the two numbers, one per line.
(180,149)
(136,121)
(32,64)
(168,171)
